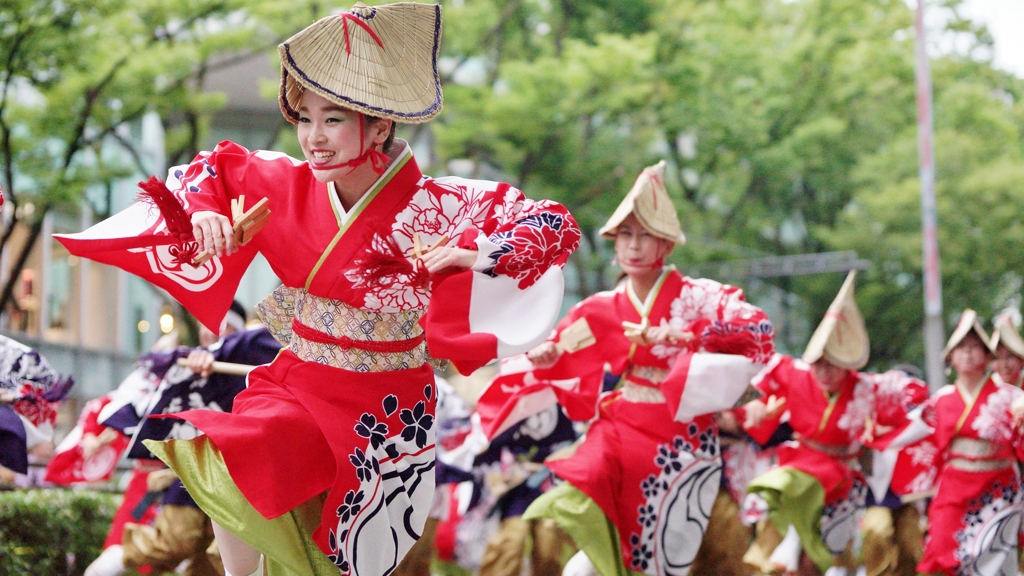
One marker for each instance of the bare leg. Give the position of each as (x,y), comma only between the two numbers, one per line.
(239,558)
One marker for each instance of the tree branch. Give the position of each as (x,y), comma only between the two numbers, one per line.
(91,95)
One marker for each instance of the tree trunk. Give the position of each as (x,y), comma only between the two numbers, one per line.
(19,265)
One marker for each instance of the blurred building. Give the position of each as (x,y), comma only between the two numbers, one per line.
(94,320)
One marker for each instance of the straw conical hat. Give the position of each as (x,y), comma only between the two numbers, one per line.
(649,201)
(968,323)
(841,338)
(1004,333)
(380,60)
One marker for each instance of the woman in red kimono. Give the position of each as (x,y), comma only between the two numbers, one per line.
(336,436)
(640,487)
(816,493)
(974,519)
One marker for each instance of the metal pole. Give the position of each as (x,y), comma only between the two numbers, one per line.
(933,328)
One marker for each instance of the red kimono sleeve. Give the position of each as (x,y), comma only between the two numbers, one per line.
(212,179)
(731,338)
(770,382)
(521,238)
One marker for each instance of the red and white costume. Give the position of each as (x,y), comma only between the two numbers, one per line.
(651,460)
(347,407)
(69,464)
(828,433)
(975,516)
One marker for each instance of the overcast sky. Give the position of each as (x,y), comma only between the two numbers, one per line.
(1005,19)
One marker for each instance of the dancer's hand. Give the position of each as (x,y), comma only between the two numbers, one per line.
(1017,410)
(444,257)
(665,334)
(545,355)
(7,396)
(90,445)
(200,362)
(160,480)
(756,411)
(213,232)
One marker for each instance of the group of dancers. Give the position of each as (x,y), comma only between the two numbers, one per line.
(655,430)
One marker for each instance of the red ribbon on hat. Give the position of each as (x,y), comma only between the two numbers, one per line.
(346,17)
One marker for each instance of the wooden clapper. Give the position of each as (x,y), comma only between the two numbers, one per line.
(244,224)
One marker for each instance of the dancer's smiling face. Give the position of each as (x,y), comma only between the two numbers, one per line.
(637,250)
(330,135)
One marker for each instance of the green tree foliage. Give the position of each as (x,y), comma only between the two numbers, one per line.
(78,75)
(789,124)
(790,127)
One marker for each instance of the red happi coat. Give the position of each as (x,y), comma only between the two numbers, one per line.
(653,477)
(362,434)
(829,430)
(975,516)
(69,464)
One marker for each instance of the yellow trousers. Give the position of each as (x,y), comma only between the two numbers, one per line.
(417,560)
(506,548)
(725,541)
(893,541)
(179,533)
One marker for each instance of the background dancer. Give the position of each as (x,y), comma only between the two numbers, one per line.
(1008,347)
(816,494)
(653,441)
(974,518)
(513,474)
(899,482)
(180,531)
(29,393)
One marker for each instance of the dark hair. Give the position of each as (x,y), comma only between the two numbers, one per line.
(909,370)
(237,307)
(391,135)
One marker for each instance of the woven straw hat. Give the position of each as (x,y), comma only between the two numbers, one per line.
(968,323)
(381,61)
(649,201)
(1004,333)
(841,338)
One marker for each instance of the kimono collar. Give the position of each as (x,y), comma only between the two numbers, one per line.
(644,308)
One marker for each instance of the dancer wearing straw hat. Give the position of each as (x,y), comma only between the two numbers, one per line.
(974,518)
(1008,347)
(813,499)
(326,462)
(639,488)
(1008,368)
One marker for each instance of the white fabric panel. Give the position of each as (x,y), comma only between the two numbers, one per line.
(527,405)
(463,455)
(36,435)
(883,464)
(136,389)
(914,432)
(520,319)
(787,553)
(715,382)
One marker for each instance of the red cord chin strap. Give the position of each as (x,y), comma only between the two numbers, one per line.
(378,160)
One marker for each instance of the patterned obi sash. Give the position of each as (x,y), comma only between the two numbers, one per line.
(640,384)
(976,455)
(331,332)
(838,451)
